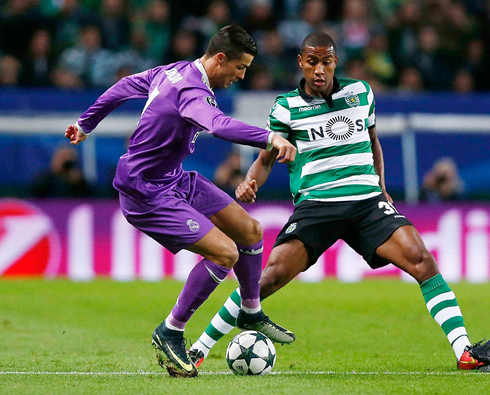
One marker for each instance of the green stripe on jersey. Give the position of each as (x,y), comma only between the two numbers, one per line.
(335,175)
(358,148)
(347,191)
(324,133)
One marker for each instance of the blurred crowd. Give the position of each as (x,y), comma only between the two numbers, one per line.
(403,45)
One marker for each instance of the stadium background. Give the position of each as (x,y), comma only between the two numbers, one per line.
(427,62)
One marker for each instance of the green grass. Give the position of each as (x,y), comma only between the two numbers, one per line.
(374,337)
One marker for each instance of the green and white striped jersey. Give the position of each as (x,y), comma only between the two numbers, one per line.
(334,160)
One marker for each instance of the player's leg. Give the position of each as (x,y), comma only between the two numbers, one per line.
(406,250)
(285,262)
(234,221)
(173,223)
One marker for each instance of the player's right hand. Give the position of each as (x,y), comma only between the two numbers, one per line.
(246,191)
(74,135)
(287,151)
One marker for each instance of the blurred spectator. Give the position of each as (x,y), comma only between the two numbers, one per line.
(70,18)
(403,30)
(260,19)
(378,59)
(134,58)
(184,47)
(260,78)
(463,82)
(19,19)
(38,66)
(229,175)
(410,81)
(442,183)
(63,179)
(354,28)
(93,65)
(273,55)
(216,17)
(114,24)
(313,16)
(9,71)
(157,28)
(429,59)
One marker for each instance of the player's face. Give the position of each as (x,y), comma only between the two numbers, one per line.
(318,64)
(231,71)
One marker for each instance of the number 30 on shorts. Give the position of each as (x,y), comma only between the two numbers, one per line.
(388,207)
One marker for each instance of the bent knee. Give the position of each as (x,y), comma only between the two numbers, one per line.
(422,263)
(227,256)
(253,233)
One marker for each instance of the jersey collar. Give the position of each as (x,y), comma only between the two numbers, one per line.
(205,77)
(308,98)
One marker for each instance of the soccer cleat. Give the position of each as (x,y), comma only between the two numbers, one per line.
(476,356)
(171,353)
(261,323)
(196,356)
(467,362)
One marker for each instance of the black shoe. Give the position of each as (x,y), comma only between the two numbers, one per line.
(261,323)
(196,356)
(171,352)
(481,352)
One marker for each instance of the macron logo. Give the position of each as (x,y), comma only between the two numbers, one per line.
(309,108)
(173,75)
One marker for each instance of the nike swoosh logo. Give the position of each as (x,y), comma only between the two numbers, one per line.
(186,366)
(252,252)
(215,278)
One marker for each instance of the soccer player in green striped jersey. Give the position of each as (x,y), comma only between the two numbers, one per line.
(338,188)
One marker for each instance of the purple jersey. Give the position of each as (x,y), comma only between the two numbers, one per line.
(180,105)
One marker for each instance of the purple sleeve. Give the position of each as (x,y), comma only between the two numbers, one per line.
(135,86)
(198,107)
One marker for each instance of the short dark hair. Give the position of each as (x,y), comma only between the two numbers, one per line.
(233,41)
(318,39)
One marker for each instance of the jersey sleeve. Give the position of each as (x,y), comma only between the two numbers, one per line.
(198,106)
(280,118)
(135,86)
(372,105)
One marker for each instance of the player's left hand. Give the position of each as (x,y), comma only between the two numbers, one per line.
(387,196)
(287,151)
(74,135)
(246,191)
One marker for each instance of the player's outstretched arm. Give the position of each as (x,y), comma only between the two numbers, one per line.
(73,134)
(256,176)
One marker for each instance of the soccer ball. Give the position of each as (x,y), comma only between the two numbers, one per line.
(251,353)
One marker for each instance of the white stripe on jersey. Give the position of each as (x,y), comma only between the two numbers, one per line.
(336,162)
(281,114)
(365,179)
(348,198)
(305,146)
(321,119)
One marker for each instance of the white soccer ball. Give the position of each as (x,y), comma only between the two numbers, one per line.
(251,353)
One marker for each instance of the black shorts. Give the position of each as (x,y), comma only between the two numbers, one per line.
(364,225)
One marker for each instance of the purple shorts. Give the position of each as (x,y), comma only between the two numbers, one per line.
(180,217)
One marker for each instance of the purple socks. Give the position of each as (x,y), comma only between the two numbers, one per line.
(202,281)
(248,270)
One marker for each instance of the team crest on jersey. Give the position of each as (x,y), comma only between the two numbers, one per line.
(352,100)
(193,225)
(291,228)
(211,101)
(339,128)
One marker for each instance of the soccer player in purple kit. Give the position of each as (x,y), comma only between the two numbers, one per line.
(181,209)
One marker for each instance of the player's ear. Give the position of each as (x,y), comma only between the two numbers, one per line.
(300,61)
(221,58)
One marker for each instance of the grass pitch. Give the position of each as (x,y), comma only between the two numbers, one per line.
(374,337)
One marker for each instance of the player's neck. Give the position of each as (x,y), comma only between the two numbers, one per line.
(209,65)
